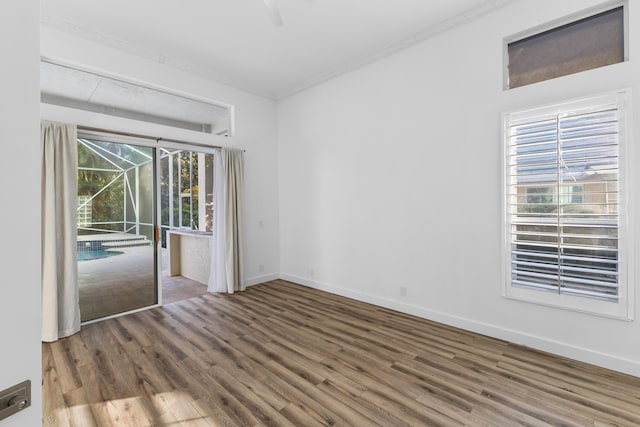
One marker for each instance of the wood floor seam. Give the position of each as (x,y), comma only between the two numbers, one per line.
(281,354)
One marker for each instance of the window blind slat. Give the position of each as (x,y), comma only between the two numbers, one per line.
(563,202)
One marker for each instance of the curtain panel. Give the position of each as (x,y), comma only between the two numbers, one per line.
(226,244)
(60,298)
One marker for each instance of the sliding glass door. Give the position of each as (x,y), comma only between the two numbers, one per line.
(117,250)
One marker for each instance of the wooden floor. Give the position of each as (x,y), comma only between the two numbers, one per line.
(281,354)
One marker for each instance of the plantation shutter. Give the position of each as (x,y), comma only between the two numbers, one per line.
(562,201)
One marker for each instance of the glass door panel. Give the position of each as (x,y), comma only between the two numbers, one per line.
(117,257)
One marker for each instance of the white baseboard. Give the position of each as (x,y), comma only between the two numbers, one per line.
(604,360)
(261,279)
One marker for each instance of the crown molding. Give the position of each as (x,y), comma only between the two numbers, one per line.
(392,48)
(210,74)
(147,53)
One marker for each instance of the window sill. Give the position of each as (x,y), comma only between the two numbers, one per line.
(619,310)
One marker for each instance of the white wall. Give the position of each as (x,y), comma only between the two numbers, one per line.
(20,353)
(390,176)
(255,125)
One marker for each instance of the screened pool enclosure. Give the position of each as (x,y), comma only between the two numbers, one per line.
(125,193)
(116,189)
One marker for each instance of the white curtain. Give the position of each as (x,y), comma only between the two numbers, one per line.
(60,301)
(226,245)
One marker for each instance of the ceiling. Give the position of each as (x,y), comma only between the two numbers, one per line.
(236,42)
(83,90)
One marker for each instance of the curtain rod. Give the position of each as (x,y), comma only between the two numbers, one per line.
(155,138)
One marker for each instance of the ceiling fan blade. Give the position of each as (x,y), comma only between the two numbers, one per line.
(274,12)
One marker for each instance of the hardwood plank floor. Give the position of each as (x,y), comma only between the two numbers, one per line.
(281,354)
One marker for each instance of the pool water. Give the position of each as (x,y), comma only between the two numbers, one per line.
(86,255)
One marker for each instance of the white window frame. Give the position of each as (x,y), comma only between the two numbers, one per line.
(624,307)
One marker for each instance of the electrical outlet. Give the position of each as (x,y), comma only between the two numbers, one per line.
(311,272)
(261,268)
(403,291)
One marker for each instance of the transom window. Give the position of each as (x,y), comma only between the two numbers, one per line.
(565,237)
(566,47)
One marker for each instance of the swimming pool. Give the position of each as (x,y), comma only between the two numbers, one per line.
(88,250)
(88,255)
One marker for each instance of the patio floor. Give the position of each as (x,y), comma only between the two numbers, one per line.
(125,282)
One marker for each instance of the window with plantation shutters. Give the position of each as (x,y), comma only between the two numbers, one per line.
(562,200)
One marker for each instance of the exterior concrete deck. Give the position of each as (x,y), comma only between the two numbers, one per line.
(125,282)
